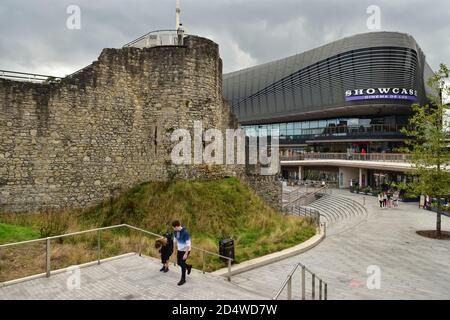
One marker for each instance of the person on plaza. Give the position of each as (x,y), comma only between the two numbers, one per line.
(389,198)
(395,198)
(183,242)
(380,199)
(384,199)
(165,246)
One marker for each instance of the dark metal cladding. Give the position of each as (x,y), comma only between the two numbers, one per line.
(312,85)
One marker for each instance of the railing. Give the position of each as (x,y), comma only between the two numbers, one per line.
(307,212)
(47,241)
(23,76)
(384,157)
(304,199)
(157,38)
(322,285)
(353,130)
(297,203)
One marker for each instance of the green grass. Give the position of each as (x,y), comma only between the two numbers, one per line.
(211,210)
(12,233)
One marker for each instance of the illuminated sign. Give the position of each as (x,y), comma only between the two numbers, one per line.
(381,93)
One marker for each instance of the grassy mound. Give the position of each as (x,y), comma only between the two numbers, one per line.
(211,210)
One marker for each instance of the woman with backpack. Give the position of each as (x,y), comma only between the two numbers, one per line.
(165,246)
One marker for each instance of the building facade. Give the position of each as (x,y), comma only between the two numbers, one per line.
(339,108)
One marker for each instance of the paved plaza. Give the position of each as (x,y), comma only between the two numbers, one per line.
(412,267)
(128,278)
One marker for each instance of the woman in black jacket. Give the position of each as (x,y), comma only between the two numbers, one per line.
(165,246)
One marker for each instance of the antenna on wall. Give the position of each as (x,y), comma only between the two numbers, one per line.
(178,14)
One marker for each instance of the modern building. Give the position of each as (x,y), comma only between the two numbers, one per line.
(339,108)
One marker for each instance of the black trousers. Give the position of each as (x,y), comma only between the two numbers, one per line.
(182,263)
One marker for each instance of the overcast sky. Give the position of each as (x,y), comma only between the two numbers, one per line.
(34,36)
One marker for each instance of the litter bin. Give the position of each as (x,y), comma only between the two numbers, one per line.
(226,249)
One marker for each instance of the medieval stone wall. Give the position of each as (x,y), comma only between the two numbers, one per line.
(78,141)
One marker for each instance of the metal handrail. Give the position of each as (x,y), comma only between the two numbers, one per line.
(7,74)
(323,286)
(309,197)
(384,157)
(157,32)
(98,230)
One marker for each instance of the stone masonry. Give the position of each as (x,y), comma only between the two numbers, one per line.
(81,140)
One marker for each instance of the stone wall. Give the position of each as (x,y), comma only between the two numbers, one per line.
(268,187)
(106,128)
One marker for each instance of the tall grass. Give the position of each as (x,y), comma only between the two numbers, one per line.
(211,210)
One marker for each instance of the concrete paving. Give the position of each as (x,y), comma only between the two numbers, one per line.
(411,267)
(127,278)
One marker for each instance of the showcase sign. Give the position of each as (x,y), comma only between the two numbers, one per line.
(381,93)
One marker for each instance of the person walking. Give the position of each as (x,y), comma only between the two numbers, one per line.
(389,200)
(380,199)
(395,198)
(183,242)
(165,246)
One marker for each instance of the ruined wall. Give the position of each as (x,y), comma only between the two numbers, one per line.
(108,127)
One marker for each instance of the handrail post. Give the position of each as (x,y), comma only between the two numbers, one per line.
(313,286)
(48,256)
(229,270)
(303,283)
(289,288)
(99,232)
(140,246)
(320,289)
(325,291)
(203,258)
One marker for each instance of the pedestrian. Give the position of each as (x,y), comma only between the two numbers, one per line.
(183,242)
(165,246)
(389,196)
(395,198)
(384,199)
(380,199)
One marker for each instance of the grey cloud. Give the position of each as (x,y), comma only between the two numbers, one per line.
(34,37)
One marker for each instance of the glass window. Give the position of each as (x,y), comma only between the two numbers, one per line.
(314,124)
(282,129)
(305,125)
(297,125)
(332,122)
(322,123)
(289,126)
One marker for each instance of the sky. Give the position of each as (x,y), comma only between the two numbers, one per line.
(35,38)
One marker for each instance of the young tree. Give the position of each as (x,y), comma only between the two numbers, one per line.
(429,144)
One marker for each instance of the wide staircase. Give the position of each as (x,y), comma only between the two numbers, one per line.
(340,213)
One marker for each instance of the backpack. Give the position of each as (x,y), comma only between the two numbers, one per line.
(169,237)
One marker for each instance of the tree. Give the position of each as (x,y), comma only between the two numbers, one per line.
(428,142)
